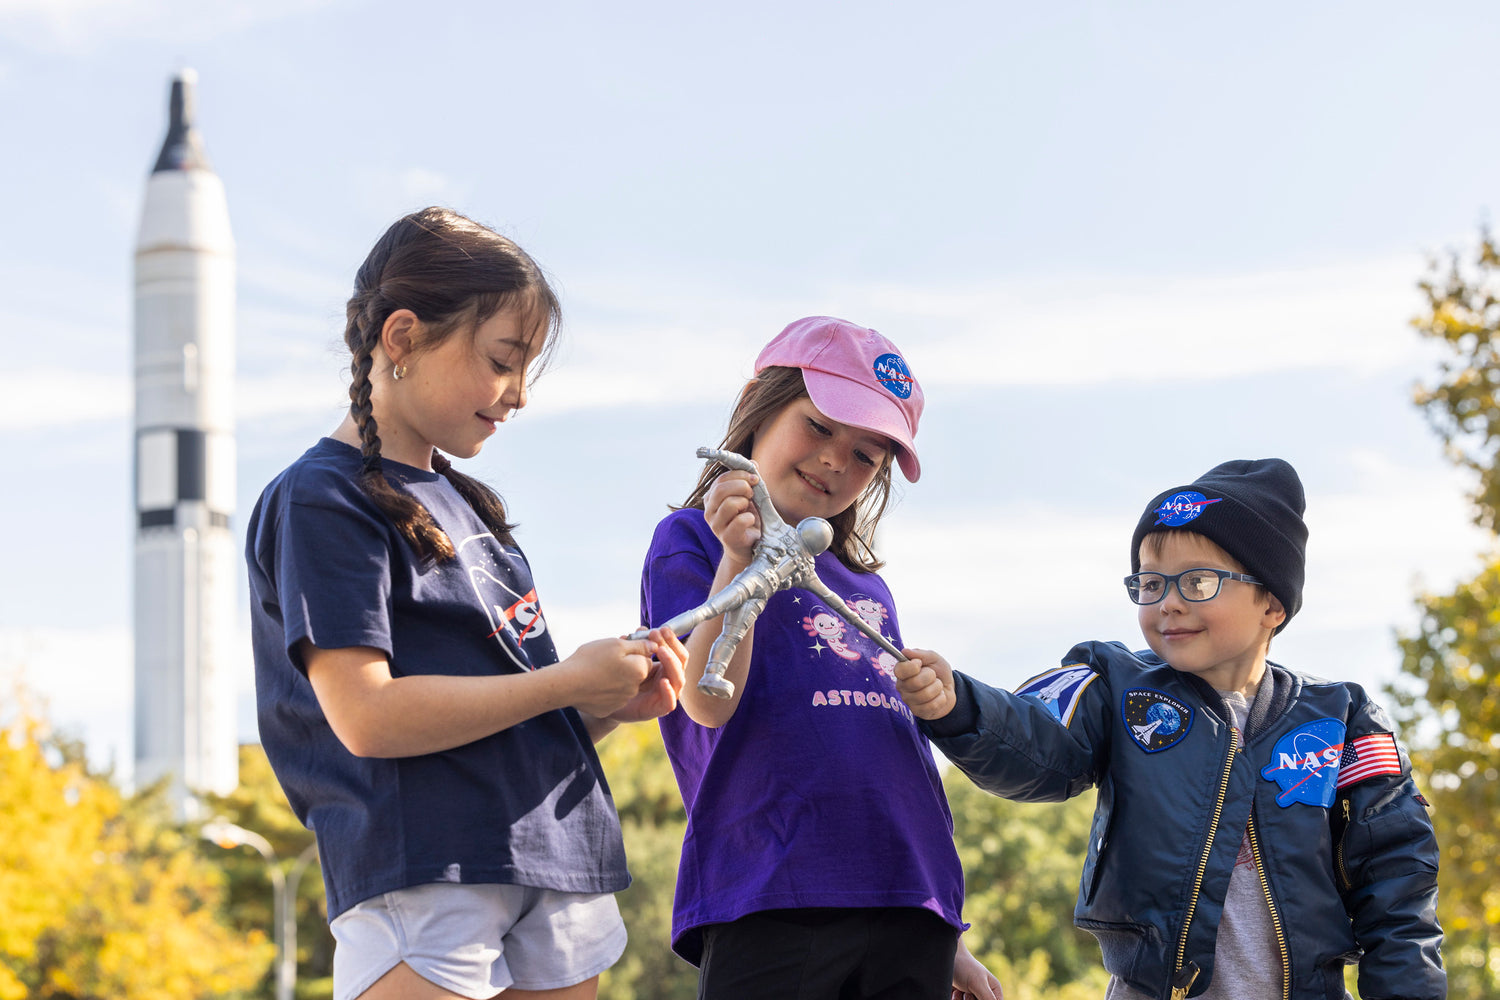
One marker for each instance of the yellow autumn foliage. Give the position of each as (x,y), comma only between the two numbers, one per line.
(1448,699)
(99,897)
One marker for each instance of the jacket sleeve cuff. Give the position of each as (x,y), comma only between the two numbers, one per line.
(964,718)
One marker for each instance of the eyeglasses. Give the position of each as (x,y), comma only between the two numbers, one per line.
(1193,584)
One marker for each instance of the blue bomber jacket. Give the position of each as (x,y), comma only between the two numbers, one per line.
(1341,837)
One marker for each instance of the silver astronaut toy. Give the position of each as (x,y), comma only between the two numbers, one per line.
(783,559)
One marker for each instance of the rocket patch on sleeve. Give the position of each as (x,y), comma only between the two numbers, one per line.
(1060,689)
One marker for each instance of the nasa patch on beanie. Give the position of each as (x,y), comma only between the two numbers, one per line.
(1250,508)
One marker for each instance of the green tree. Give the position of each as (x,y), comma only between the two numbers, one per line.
(653,821)
(1448,699)
(1021,867)
(1463,315)
(99,895)
(258,804)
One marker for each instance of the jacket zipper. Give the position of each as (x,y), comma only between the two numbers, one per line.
(1265,887)
(1179,989)
(1183,980)
(1338,855)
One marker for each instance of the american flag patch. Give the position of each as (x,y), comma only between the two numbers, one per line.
(1366,756)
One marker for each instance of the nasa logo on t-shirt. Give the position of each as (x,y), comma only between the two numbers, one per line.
(514,617)
(1154,720)
(1305,763)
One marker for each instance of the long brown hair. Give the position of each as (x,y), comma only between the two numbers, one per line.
(454,274)
(763,397)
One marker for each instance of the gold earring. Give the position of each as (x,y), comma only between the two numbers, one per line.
(398,373)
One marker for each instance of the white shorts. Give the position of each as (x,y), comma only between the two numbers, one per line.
(477,940)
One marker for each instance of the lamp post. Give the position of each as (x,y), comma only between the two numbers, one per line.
(284,893)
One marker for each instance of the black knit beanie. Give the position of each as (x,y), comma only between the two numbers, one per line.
(1251,509)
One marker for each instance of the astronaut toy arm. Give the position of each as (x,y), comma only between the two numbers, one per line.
(783,558)
(748,585)
(771,522)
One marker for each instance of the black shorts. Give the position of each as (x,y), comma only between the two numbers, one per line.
(885,953)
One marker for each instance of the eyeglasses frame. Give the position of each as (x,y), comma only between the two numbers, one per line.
(1171,581)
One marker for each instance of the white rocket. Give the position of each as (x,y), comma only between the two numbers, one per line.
(186,558)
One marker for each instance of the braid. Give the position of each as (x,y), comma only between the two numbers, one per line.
(408,515)
(453,274)
(360,364)
(485,501)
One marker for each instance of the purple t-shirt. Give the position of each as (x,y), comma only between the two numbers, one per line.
(820,791)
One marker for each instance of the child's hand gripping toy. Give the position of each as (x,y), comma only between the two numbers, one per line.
(783,559)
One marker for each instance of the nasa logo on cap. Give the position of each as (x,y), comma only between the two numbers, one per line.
(1305,763)
(1180,508)
(891,372)
(1154,720)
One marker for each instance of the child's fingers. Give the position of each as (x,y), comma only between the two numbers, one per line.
(722,513)
(923,691)
(913,682)
(672,656)
(734,521)
(638,654)
(731,476)
(732,486)
(907,669)
(666,641)
(749,523)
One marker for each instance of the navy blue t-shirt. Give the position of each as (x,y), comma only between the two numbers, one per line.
(528,805)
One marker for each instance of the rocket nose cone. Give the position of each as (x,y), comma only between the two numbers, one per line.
(183,147)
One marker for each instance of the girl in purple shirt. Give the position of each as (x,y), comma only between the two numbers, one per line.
(819,859)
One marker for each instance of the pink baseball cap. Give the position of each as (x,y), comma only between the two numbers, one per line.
(856,377)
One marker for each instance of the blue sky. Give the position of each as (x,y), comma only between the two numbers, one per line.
(1118,244)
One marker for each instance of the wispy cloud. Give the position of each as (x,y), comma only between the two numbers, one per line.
(1397,532)
(58,397)
(1081,330)
(1003,593)
(404,189)
(994,584)
(285,394)
(83,680)
(1061,330)
(78,27)
(638,346)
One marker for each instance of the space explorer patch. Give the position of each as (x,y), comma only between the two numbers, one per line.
(1059,689)
(1154,720)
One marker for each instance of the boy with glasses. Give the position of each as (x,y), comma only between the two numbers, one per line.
(1255,828)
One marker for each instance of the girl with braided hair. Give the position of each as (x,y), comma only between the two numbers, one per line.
(410,697)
